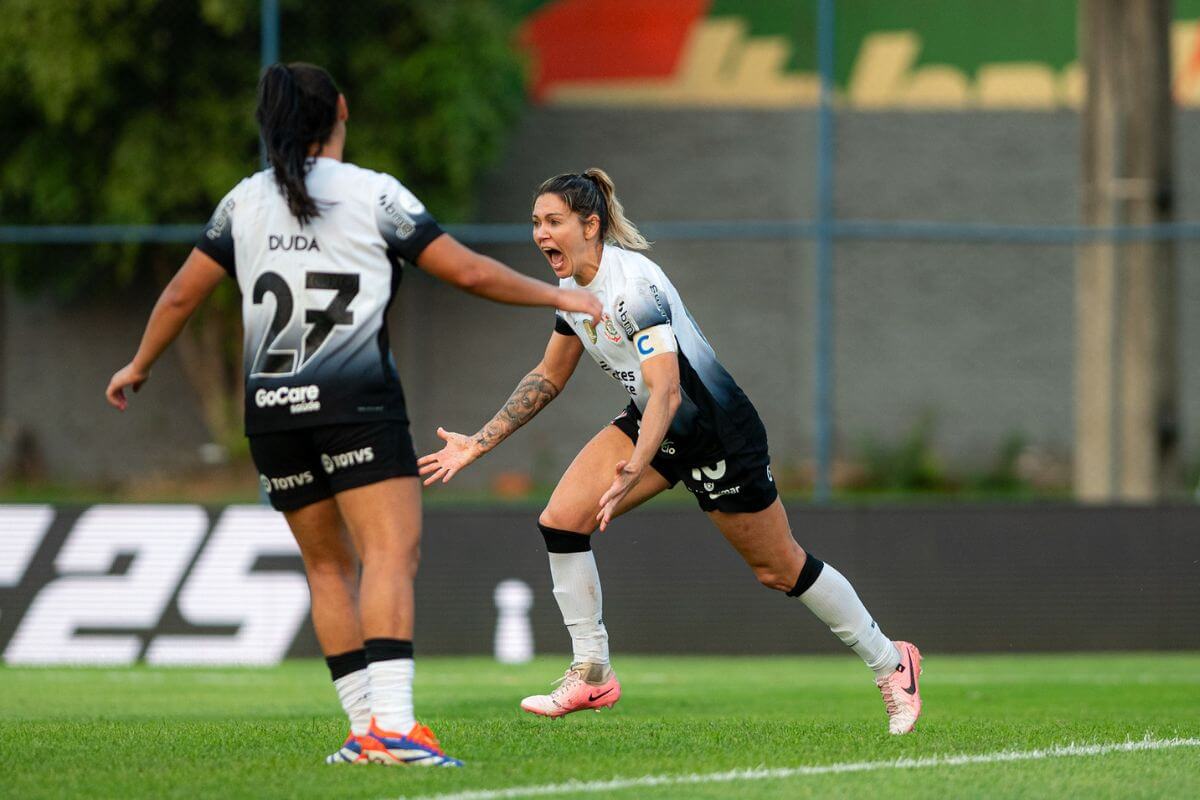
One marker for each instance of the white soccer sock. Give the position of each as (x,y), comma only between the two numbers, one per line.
(834,601)
(577,590)
(354,690)
(391,694)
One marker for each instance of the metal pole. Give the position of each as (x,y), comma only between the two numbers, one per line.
(268,55)
(268,50)
(824,304)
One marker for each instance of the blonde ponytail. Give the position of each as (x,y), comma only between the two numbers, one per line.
(621,231)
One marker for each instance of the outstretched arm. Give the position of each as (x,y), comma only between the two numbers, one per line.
(448,260)
(194,282)
(661,374)
(535,391)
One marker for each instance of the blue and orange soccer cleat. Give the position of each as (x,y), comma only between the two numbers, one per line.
(419,748)
(353,751)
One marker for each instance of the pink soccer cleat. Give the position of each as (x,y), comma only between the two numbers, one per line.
(581,686)
(900,690)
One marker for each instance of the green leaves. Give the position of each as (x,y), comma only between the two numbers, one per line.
(136,111)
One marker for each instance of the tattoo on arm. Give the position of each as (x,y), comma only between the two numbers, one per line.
(532,394)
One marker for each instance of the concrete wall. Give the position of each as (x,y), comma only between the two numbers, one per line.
(979,338)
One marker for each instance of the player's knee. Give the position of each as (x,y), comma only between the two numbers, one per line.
(773,578)
(392,553)
(564,521)
(330,567)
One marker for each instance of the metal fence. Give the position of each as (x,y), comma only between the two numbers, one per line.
(839,238)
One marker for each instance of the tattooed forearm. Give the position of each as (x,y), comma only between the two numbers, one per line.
(531,396)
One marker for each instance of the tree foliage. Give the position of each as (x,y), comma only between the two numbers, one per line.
(142,112)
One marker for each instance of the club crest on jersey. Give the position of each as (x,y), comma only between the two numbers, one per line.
(610,329)
(590,330)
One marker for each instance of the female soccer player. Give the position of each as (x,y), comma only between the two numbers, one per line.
(315,245)
(687,420)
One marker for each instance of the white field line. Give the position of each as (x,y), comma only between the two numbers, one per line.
(763,773)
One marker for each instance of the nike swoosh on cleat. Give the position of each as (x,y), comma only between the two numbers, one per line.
(594,697)
(912,677)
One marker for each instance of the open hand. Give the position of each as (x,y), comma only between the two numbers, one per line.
(582,302)
(126,377)
(459,452)
(627,476)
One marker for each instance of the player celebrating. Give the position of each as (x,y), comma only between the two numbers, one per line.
(316,245)
(687,421)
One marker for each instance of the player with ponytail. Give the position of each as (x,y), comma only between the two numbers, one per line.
(687,421)
(316,246)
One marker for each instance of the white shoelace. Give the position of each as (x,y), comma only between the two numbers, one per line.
(570,679)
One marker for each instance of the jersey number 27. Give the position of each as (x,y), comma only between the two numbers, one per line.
(285,348)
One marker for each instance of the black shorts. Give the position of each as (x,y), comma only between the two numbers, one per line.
(736,483)
(302,466)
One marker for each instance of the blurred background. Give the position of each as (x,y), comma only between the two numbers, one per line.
(948,248)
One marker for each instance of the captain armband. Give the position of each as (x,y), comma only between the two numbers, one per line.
(650,342)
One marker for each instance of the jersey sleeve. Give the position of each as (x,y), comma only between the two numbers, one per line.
(404,223)
(562,326)
(641,306)
(216,241)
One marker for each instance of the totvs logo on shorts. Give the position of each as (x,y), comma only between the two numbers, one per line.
(348,459)
(300,399)
(286,482)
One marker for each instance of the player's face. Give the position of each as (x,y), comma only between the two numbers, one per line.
(561,235)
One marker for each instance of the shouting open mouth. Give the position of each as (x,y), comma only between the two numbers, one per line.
(555,257)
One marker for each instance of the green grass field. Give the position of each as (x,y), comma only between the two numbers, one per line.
(192,733)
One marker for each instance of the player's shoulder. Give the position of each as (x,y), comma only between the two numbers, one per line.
(636,265)
(257,185)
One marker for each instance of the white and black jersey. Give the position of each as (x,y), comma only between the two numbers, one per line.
(315,298)
(643,317)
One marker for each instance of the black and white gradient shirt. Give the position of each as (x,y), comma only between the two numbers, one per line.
(315,298)
(644,317)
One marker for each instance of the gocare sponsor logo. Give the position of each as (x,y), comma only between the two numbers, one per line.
(352,458)
(299,399)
